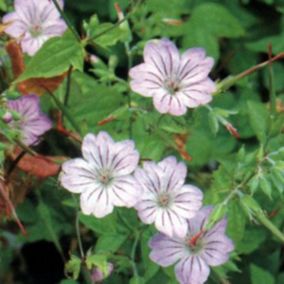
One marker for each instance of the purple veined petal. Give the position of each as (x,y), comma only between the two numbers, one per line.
(146,72)
(205,86)
(77,176)
(197,73)
(96,202)
(194,98)
(146,88)
(153,56)
(89,151)
(54,29)
(16,28)
(104,137)
(197,223)
(187,201)
(26,105)
(153,178)
(31,45)
(147,209)
(177,106)
(124,191)
(165,251)
(124,159)
(192,269)
(162,101)
(169,223)
(175,172)
(216,251)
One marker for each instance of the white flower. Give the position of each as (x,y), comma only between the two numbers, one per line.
(103,176)
(33,22)
(167,201)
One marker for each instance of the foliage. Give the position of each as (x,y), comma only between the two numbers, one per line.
(233,147)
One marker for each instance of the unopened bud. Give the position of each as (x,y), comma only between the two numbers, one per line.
(98,275)
(7,117)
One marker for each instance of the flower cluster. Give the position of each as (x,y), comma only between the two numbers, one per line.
(108,175)
(33,22)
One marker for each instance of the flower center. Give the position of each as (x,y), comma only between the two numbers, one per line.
(105,177)
(35,30)
(164,200)
(194,243)
(172,86)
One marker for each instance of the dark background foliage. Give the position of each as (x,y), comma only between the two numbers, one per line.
(238,34)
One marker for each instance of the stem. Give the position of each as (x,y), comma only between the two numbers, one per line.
(66,20)
(232,80)
(270,226)
(11,206)
(77,225)
(133,253)
(271,84)
(68,85)
(65,112)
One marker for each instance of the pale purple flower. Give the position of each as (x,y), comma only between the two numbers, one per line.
(175,81)
(33,22)
(103,176)
(97,274)
(167,201)
(194,254)
(32,122)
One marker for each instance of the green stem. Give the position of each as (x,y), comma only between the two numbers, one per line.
(232,80)
(270,226)
(66,20)
(65,112)
(68,86)
(133,253)
(77,225)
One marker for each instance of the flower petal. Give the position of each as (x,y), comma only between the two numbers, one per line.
(192,269)
(96,202)
(187,201)
(165,251)
(124,191)
(77,176)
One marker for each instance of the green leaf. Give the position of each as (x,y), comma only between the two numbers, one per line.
(217,20)
(265,185)
(110,243)
(107,34)
(258,119)
(209,22)
(260,276)
(137,280)
(68,281)
(55,57)
(73,266)
(98,260)
(236,221)
(100,226)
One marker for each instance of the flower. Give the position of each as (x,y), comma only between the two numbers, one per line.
(32,122)
(176,82)
(98,275)
(193,254)
(103,175)
(33,22)
(167,201)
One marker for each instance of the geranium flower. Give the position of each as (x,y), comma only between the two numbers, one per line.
(194,254)
(32,122)
(176,82)
(167,201)
(33,22)
(103,175)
